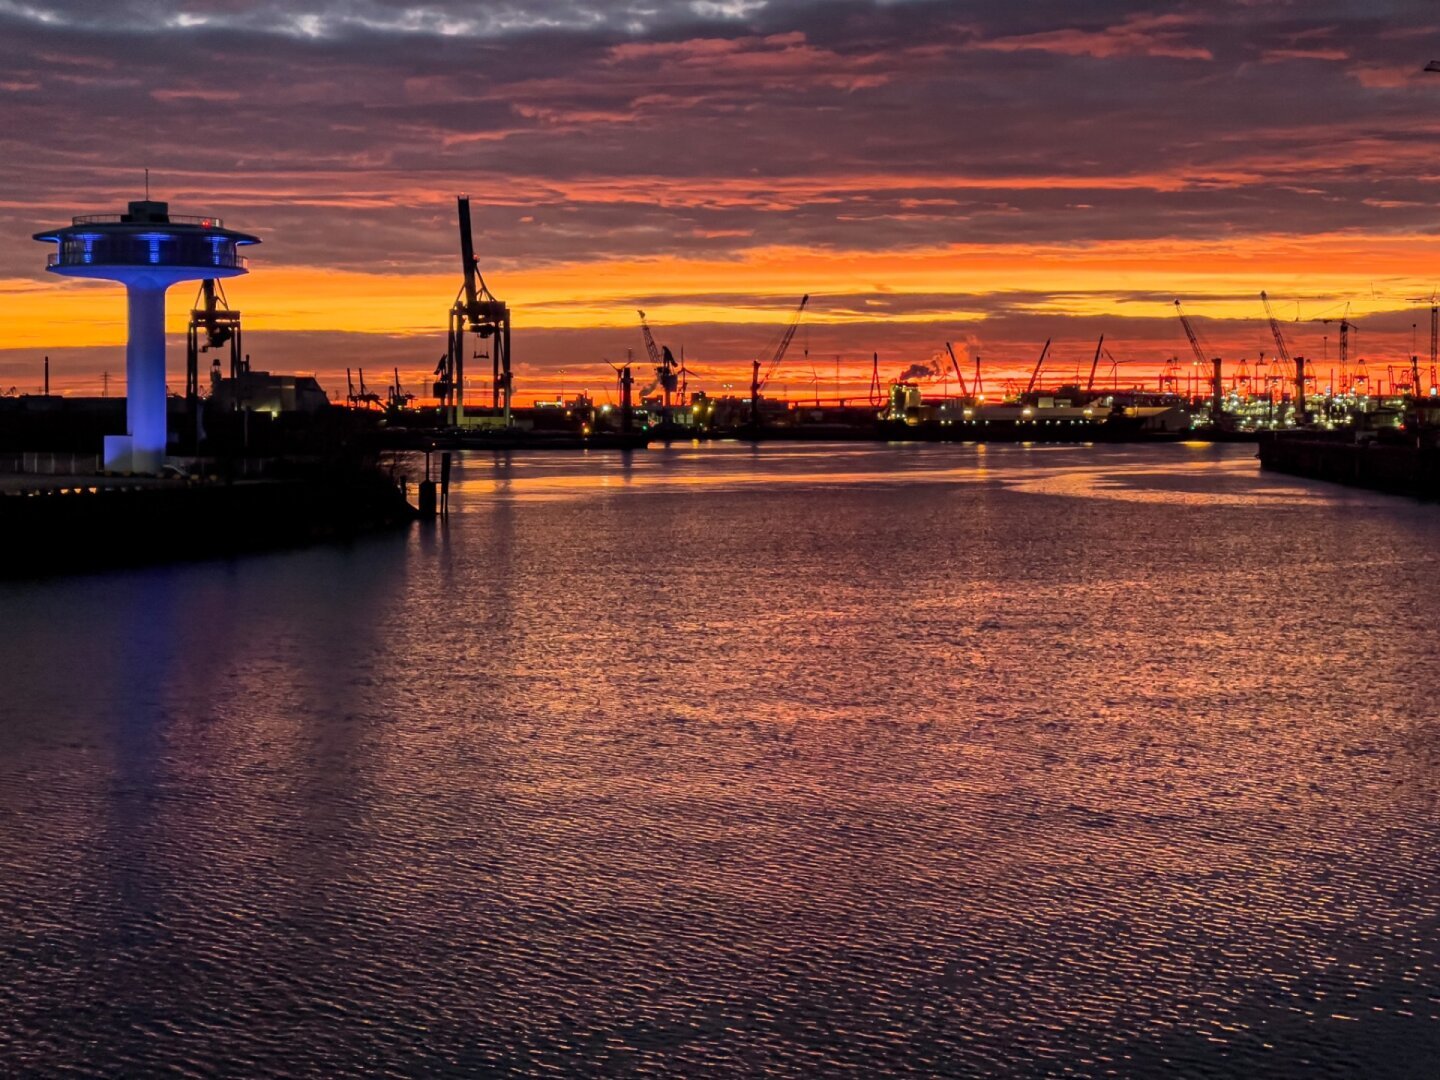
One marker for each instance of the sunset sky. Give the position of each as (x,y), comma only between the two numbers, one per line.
(992,174)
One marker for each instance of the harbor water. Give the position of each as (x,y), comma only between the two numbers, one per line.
(723,760)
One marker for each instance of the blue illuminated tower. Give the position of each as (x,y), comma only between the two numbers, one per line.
(148,250)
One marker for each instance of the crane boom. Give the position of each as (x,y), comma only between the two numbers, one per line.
(1280,346)
(964,391)
(650,347)
(1090,385)
(785,340)
(467,252)
(1035,374)
(1192,335)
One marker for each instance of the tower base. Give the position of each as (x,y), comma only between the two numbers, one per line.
(122,456)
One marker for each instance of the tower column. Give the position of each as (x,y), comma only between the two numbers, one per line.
(145,376)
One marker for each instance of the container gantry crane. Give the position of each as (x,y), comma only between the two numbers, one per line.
(398,398)
(476,311)
(213,325)
(219,324)
(364,397)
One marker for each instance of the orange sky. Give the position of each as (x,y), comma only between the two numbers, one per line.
(1110,285)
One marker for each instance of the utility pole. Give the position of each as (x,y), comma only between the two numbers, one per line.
(755,395)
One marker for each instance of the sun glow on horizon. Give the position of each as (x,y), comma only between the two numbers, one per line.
(960,290)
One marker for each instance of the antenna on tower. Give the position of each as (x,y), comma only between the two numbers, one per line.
(147,185)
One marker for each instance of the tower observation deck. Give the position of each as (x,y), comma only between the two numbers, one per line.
(148,250)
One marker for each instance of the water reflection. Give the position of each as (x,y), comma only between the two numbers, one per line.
(795,760)
(1079,471)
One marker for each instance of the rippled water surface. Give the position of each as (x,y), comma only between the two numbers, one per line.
(802,761)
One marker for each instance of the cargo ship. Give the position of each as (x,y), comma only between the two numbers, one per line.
(1037,419)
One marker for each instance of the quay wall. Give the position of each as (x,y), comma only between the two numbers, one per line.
(1399,468)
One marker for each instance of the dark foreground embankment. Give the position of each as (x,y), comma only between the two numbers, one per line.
(1400,469)
(82,524)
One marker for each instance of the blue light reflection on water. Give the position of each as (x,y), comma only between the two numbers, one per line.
(723,760)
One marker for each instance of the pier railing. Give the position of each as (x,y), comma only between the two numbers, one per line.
(172,219)
(48,463)
(222,260)
(42,473)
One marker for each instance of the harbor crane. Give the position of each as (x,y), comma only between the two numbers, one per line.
(477,311)
(399,399)
(1035,373)
(1434,301)
(757,383)
(213,325)
(650,347)
(364,398)
(964,391)
(1170,377)
(1212,362)
(1283,350)
(1345,327)
(666,369)
(1094,364)
(1194,338)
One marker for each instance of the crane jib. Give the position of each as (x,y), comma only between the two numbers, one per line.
(467,252)
(785,340)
